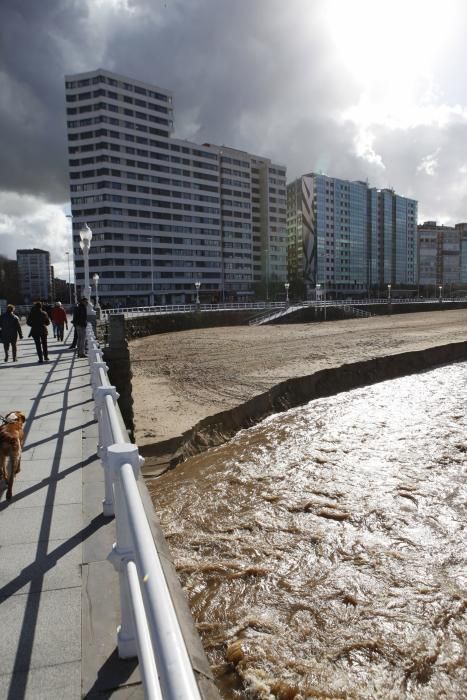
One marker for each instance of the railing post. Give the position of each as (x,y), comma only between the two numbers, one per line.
(95,367)
(93,350)
(100,393)
(123,549)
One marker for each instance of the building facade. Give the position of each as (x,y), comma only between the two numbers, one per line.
(9,283)
(442,255)
(349,238)
(34,274)
(166,213)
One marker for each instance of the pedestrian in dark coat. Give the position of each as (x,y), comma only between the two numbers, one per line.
(10,330)
(75,332)
(80,321)
(39,320)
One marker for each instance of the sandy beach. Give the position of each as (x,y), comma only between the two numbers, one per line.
(182,377)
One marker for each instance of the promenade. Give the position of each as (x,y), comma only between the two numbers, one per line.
(58,594)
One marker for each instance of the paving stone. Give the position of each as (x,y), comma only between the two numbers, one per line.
(59,682)
(102,669)
(33,568)
(37,469)
(58,490)
(42,627)
(22,525)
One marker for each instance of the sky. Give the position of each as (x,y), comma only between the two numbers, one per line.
(358,89)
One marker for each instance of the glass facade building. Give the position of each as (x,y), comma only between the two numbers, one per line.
(364,238)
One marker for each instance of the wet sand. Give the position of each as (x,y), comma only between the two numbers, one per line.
(182,377)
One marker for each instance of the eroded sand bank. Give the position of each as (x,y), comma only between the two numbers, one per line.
(183,377)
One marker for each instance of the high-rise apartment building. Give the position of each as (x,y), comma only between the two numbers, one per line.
(348,237)
(166,213)
(442,255)
(34,274)
(462,228)
(9,283)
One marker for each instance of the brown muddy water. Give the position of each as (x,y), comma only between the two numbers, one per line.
(323,551)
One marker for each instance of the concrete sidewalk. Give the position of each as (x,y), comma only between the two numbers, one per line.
(58,594)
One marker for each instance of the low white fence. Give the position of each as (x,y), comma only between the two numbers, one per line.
(135,311)
(131,312)
(149,627)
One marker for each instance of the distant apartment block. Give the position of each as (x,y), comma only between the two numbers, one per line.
(34,274)
(166,213)
(348,237)
(442,255)
(9,285)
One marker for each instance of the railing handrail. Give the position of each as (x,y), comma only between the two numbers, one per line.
(135,311)
(149,626)
(274,313)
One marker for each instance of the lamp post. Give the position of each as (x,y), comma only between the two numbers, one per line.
(389,293)
(75,296)
(287,285)
(440,292)
(318,294)
(152,276)
(197,285)
(267,274)
(95,279)
(324,299)
(69,276)
(85,235)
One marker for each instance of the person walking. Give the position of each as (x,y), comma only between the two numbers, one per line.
(39,320)
(59,320)
(10,330)
(47,307)
(74,342)
(80,321)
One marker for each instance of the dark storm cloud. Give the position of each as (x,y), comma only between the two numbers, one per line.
(34,38)
(259,75)
(242,73)
(254,70)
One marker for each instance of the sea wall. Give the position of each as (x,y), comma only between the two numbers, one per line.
(152,324)
(166,323)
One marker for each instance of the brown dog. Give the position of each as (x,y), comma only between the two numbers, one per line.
(11,445)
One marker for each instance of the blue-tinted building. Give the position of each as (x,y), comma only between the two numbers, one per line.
(353,239)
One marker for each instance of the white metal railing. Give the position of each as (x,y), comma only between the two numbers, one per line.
(274,313)
(135,311)
(149,626)
(131,312)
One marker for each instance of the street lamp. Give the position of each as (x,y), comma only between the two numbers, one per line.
(389,293)
(287,285)
(95,278)
(440,291)
(85,235)
(267,274)
(324,299)
(75,297)
(69,276)
(318,289)
(197,285)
